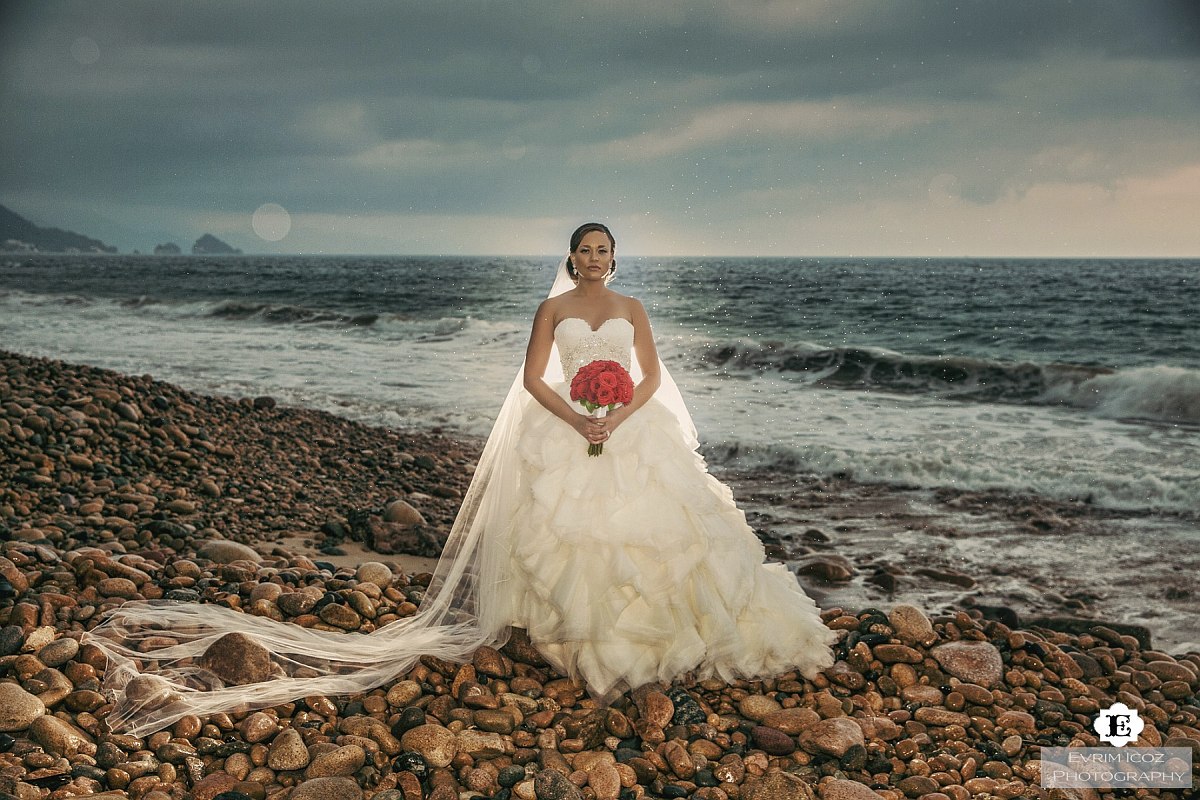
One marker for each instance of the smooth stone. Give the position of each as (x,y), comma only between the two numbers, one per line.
(212,785)
(897,653)
(295,603)
(777,786)
(436,744)
(510,776)
(792,720)
(287,751)
(237,660)
(341,616)
(757,707)
(1167,671)
(374,572)
(1019,721)
(656,708)
(941,717)
(923,694)
(480,744)
(605,781)
(494,721)
(345,760)
(550,784)
(403,694)
(18,708)
(58,652)
(917,785)
(402,513)
(334,788)
(258,727)
(971,661)
(832,737)
(911,625)
(60,738)
(11,639)
(223,551)
(772,741)
(490,661)
(840,789)
(828,567)
(266,591)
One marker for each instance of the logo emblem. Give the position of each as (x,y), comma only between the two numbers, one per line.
(1118,725)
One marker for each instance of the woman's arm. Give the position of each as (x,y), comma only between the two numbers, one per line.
(647,356)
(537,355)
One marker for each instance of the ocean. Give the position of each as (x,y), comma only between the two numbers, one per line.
(1063,378)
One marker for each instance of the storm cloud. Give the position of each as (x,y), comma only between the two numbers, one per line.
(747,128)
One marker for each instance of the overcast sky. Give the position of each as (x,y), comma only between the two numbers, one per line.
(706,128)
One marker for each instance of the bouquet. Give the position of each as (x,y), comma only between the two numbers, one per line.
(601,385)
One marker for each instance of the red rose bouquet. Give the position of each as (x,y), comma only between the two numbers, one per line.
(601,385)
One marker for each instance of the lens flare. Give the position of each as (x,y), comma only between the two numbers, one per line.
(271,222)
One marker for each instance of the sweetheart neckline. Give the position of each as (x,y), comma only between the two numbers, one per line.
(589,325)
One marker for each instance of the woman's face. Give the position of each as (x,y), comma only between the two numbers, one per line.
(594,256)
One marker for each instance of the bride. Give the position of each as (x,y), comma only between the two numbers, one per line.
(628,568)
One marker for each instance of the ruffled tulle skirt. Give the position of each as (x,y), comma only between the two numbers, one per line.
(636,566)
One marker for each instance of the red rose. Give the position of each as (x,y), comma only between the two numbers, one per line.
(601,384)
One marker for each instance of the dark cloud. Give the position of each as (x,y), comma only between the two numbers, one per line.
(701,111)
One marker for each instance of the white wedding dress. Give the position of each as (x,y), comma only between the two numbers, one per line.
(636,566)
(627,568)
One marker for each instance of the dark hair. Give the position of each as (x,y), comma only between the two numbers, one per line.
(577,237)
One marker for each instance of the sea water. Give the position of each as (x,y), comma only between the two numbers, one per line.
(1064,378)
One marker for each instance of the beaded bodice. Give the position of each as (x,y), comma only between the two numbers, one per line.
(579,345)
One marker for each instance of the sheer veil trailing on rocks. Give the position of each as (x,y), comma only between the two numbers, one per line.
(170,659)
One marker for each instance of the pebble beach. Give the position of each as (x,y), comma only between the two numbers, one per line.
(117,488)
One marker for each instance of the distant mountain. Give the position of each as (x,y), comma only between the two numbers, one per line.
(18,234)
(208,245)
(168,249)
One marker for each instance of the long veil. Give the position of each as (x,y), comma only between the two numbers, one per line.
(161,654)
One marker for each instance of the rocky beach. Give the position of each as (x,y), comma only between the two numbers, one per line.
(116,487)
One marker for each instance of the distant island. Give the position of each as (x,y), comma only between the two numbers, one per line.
(208,245)
(19,235)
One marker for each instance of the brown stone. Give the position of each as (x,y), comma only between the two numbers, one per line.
(287,752)
(335,788)
(791,720)
(777,786)
(656,708)
(436,744)
(772,741)
(897,653)
(237,660)
(832,737)
(971,661)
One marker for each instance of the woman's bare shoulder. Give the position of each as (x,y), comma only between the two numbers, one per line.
(632,306)
(550,305)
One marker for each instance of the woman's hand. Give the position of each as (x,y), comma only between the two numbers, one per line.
(590,428)
(614,418)
(610,422)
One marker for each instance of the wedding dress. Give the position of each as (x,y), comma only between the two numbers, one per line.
(636,566)
(625,568)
